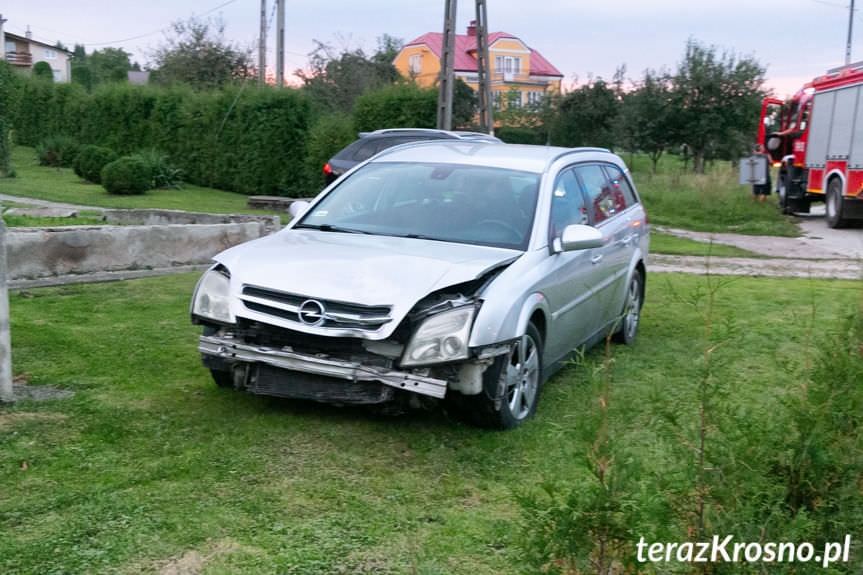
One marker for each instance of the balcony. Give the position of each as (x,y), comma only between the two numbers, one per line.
(19,58)
(513,78)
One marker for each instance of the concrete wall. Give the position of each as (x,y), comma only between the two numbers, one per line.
(167,217)
(46,252)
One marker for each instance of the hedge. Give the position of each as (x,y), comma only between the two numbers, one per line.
(247,140)
(397,106)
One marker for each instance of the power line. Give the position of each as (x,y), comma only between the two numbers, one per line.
(162,29)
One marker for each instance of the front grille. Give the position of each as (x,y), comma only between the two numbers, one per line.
(346,348)
(336,314)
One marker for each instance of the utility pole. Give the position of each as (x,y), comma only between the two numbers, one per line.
(280,43)
(447,73)
(850,27)
(262,46)
(6,393)
(483,68)
(2,38)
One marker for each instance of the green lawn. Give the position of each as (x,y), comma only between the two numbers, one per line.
(62,185)
(151,468)
(711,202)
(668,244)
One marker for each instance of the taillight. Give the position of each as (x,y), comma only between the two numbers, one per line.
(777,164)
(327,169)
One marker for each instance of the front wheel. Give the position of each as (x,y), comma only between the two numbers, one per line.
(627,327)
(782,192)
(511,385)
(834,204)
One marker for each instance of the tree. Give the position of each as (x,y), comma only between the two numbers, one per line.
(334,80)
(108,65)
(647,116)
(42,70)
(197,54)
(586,116)
(716,99)
(464,104)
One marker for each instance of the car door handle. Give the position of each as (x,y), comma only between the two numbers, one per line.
(596,259)
(625,241)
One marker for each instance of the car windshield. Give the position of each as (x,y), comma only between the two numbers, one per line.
(446,202)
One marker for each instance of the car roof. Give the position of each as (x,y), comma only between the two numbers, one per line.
(473,152)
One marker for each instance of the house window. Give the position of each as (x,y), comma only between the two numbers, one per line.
(534,97)
(497,99)
(415,63)
(57,76)
(508,65)
(50,54)
(10,46)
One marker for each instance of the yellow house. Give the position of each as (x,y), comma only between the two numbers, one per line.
(514,65)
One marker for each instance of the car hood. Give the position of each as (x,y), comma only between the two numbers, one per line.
(354,268)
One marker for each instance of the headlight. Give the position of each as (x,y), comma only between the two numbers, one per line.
(212,299)
(441,337)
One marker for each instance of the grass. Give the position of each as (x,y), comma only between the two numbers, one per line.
(16,221)
(151,468)
(661,243)
(710,202)
(62,185)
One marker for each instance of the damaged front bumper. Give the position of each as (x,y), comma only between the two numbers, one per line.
(232,351)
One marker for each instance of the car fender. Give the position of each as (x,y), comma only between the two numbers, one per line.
(637,256)
(513,326)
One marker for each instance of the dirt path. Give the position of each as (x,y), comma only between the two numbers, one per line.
(45,203)
(768,267)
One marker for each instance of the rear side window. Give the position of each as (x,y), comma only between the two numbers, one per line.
(567,203)
(603,200)
(621,185)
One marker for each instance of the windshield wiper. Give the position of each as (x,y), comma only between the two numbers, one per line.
(332,228)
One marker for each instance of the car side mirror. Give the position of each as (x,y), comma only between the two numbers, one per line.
(298,208)
(580,237)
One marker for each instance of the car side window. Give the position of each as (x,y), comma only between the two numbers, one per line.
(621,185)
(603,203)
(567,203)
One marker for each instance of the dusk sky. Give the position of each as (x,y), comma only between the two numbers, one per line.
(795,39)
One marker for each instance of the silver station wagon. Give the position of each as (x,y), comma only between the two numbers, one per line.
(458,271)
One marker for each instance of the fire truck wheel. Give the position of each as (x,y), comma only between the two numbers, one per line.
(834,204)
(782,192)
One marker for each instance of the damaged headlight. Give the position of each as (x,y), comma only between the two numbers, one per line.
(440,338)
(212,299)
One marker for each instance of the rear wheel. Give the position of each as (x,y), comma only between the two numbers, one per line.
(627,327)
(834,204)
(511,385)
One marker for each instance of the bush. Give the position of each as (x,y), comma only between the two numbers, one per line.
(57,151)
(43,71)
(326,138)
(520,135)
(398,106)
(127,176)
(90,162)
(164,174)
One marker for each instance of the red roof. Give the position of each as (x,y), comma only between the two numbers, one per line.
(465,44)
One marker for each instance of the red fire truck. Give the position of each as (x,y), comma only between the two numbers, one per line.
(816,140)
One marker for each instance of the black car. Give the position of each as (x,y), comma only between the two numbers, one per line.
(370,143)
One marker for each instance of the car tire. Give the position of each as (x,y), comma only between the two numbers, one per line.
(782,191)
(222,378)
(627,328)
(511,386)
(833,208)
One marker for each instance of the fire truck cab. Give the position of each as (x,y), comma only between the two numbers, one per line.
(816,140)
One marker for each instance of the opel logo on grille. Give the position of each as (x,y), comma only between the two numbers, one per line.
(311,312)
